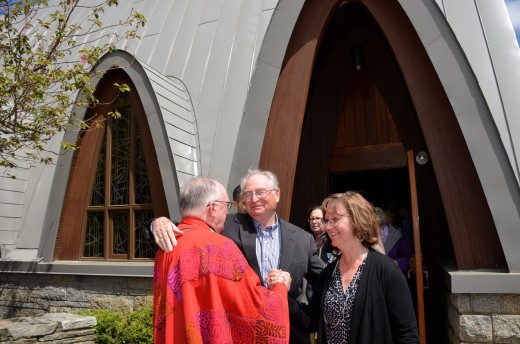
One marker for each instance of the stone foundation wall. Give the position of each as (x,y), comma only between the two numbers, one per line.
(472,318)
(483,318)
(23,295)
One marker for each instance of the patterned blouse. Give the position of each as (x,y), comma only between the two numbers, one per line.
(337,309)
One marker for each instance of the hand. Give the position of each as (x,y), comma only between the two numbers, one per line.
(164,232)
(276,276)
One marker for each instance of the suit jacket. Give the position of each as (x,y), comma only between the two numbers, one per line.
(298,256)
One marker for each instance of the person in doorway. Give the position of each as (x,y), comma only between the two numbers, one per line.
(405,220)
(394,241)
(268,242)
(237,200)
(315,226)
(362,297)
(204,290)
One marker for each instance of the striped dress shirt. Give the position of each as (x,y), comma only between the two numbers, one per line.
(268,245)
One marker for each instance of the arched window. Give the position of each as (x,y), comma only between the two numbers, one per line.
(115,186)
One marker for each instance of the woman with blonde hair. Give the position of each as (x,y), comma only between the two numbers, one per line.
(362,296)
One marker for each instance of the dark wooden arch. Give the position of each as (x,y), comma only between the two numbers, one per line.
(84,164)
(473,233)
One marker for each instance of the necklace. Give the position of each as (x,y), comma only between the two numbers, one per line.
(341,301)
(347,269)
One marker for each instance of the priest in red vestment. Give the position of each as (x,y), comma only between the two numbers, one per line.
(204,290)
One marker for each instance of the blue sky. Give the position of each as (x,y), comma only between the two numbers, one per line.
(514,13)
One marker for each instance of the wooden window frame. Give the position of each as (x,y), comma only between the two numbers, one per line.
(71,232)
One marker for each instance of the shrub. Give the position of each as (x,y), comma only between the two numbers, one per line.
(115,327)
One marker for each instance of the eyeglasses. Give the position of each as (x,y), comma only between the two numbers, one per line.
(227,204)
(259,194)
(332,221)
(312,219)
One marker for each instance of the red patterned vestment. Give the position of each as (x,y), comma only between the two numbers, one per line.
(205,292)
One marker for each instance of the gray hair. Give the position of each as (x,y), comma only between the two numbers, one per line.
(198,193)
(253,172)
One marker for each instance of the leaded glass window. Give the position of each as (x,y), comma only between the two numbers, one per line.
(115,185)
(120,201)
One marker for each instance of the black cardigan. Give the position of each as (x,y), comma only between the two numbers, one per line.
(383,311)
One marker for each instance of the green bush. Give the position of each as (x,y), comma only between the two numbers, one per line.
(115,327)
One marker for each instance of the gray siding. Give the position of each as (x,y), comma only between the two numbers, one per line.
(12,195)
(180,124)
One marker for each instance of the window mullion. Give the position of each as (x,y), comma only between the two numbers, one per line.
(131,220)
(108,187)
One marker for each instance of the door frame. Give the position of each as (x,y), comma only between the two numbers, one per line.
(419,283)
(474,236)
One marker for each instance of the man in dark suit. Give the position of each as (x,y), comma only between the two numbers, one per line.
(267,241)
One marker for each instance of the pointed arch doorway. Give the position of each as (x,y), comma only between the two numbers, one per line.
(368,156)
(300,143)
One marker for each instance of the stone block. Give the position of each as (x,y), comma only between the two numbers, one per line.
(476,328)
(74,340)
(141,283)
(462,303)
(511,304)
(140,301)
(506,328)
(69,322)
(68,304)
(123,290)
(10,284)
(96,288)
(3,335)
(74,294)
(62,336)
(49,328)
(486,303)
(28,327)
(10,295)
(43,304)
(67,309)
(31,284)
(116,303)
(25,312)
(54,292)
(4,312)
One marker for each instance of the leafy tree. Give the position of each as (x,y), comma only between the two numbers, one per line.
(46,71)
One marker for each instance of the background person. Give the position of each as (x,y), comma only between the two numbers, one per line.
(204,290)
(268,242)
(237,200)
(396,245)
(315,226)
(362,296)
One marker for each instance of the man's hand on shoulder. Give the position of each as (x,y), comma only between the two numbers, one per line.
(164,233)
